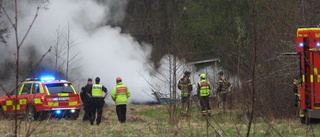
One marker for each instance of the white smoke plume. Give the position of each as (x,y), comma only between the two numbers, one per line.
(104,51)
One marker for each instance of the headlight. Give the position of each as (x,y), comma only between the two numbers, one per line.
(72,110)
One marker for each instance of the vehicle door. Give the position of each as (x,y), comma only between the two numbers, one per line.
(10,101)
(24,97)
(37,93)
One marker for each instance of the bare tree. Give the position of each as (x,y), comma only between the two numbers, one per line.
(18,46)
(65,53)
(57,49)
(71,57)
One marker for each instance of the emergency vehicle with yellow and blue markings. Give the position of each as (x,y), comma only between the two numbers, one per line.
(42,98)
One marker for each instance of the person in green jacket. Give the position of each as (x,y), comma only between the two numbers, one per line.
(120,95)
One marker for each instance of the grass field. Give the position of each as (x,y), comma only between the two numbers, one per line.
(145,120)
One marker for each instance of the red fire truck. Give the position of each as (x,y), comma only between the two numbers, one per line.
(308,47)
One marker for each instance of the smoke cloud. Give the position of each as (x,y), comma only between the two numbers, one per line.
(104,51)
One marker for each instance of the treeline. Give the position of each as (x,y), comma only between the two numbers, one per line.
(248,36)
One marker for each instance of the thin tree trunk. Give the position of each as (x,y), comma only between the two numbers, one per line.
(253,69)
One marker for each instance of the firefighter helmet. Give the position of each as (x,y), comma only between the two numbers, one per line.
(118,79)
(203,76)
(220,72)
(187,73)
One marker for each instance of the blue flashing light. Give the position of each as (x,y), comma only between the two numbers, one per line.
(301,45)
(47,78)
(318,44)
(58,112)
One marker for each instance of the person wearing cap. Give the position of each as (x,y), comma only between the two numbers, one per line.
(185,86)
(120,95)
(97,101)
(204,91)
(85,99)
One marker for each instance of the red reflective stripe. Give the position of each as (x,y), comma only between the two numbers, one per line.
(122,89)
(204,84)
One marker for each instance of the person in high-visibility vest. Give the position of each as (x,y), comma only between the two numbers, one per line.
(120,95)
(86,99)
(97,101)
(185,86)
(204,91)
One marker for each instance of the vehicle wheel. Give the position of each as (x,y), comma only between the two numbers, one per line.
(2,116)
(32,114)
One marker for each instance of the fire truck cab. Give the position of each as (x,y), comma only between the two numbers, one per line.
(308,47)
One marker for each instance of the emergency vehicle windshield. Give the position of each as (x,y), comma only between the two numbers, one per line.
(56,88)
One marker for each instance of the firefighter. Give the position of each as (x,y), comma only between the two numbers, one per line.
(222,86)
(85,99)
(120,95)
(296,86)
(204,93)
(185,86)
(97,101)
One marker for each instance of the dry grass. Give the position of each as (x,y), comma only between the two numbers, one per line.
(156,124)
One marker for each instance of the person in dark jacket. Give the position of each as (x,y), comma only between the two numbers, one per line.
(85,99)
(97,101)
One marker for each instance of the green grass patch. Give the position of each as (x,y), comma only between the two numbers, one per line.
(156,121)
(153,112)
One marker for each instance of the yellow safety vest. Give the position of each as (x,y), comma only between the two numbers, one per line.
(96,90)
(204,88)
(120,94)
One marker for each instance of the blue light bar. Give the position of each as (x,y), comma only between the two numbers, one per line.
(318,44)
(47,78)
(58,112)
(301,45)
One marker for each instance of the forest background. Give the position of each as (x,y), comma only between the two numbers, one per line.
(248,36)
